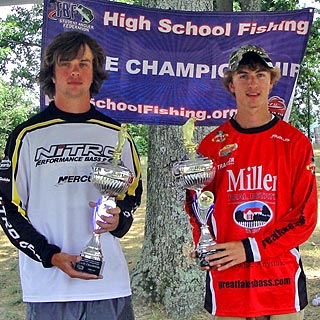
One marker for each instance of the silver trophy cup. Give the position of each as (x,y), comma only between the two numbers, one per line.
(194,173)
(111,179)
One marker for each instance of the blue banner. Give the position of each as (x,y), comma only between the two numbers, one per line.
(165,66)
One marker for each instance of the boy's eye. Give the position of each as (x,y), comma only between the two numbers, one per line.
(64,63)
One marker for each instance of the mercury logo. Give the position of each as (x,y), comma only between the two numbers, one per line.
(73,179)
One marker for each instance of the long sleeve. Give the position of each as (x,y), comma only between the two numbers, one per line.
(195,224)
(132,200)
(296,224)
(14,219)
(128,206)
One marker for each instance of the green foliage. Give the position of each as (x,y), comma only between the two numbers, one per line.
(139,134)
(279,5)
(236,6)
(20,45)
(306,104)
(16,106)
(271,5)
(305,109)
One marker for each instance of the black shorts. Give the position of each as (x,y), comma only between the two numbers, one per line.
(111,309)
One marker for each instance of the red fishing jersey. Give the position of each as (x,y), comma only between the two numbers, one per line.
(265,196)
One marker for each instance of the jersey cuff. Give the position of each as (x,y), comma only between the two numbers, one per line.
(125,222)
(47,256)
(251,249)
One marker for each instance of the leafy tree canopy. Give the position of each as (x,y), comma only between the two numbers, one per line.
(16,106)
(20,45)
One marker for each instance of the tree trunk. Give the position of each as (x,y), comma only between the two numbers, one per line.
(189,5)
(165,274)
(250,5)
(224,5)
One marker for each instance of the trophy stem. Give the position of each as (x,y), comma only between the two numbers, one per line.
(104,203)
(93,247)
(91,255)
(108,201)
(202,215)
(205,201)
(206,239)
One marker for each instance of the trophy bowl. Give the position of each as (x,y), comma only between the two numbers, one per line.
(194,174)
(111,179)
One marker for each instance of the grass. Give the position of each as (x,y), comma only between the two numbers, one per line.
(12,307)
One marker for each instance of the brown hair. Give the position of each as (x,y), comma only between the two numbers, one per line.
(252,65)
(67,46)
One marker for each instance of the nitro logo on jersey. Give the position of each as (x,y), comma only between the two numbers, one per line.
(70,150)
(73,153)
(251,178)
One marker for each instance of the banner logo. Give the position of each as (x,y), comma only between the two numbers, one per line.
(71,15)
